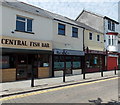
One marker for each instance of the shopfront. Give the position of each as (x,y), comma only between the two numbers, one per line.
(118,60)
(112,61)
(94,61)
(68,60)
(22,56)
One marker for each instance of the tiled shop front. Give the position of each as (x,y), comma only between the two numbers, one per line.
(21,56)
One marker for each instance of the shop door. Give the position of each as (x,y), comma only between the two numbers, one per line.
(68,62)
(21,67)
(25,65)
(111,63)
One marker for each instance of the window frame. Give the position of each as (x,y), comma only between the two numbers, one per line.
(98,38)
(63,29)
(74,32)
(113,26)
(109,25)
(26,24)
(90,36)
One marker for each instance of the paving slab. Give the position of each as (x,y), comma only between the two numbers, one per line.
(18,87)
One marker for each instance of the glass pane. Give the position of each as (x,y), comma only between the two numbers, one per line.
(61,26)
(29,25)
(20,26)
(20,18)
(58,65)
(62,32)
(68,65)
(76,64)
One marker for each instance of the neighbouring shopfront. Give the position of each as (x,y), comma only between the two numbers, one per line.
(22,56)
(94,61)
(68,60)
(119,61)
(112,61)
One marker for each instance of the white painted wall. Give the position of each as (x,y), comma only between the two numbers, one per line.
(42,27)
(113,48)
(67,41)
(0,18)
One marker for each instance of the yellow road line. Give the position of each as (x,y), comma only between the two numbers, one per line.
(50,90)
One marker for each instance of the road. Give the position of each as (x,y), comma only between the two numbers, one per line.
(80,93)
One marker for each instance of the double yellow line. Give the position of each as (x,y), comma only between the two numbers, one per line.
(54,89)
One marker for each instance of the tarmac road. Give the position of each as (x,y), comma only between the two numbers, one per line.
(106,89)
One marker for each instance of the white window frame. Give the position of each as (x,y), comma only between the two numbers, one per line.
(25,21)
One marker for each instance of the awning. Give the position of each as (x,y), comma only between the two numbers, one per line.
(112,33)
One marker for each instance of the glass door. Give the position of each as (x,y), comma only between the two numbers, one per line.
(22,67)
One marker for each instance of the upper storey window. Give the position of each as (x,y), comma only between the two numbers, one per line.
(23,24)
(61,29)
(111,25)
(74,32)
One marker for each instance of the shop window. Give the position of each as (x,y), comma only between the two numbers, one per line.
(61,29)
(43,61)
(7,62)
(93,61)
(68,62)
(74,32)
(76,62)
(23,24)
(58,62)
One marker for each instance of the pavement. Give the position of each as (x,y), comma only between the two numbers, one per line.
(19,87)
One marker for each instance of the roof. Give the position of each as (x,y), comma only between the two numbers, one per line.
(105,17)
(27,8)
(96,14)
(90,13)
(87,27)
(38,11)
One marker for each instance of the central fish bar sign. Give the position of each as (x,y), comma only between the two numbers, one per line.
(12,42)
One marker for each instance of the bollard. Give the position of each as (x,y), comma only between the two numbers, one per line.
(83,73)
(101,73)
(115,70)
(32,78)
(64,75)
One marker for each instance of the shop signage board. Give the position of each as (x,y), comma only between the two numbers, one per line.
(13,42)
(68,52)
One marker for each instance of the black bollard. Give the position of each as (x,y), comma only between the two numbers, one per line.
(115,70)
(101,73)
(64,75)
(32,78)
(83,73)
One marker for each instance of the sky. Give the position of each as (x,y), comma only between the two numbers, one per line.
(72,8)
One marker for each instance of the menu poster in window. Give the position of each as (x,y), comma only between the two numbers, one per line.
(45,64)
(95,60)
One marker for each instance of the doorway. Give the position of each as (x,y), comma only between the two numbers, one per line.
(25,64)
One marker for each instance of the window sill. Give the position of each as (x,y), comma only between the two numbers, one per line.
(61,34)
(25,32)
(74,37)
